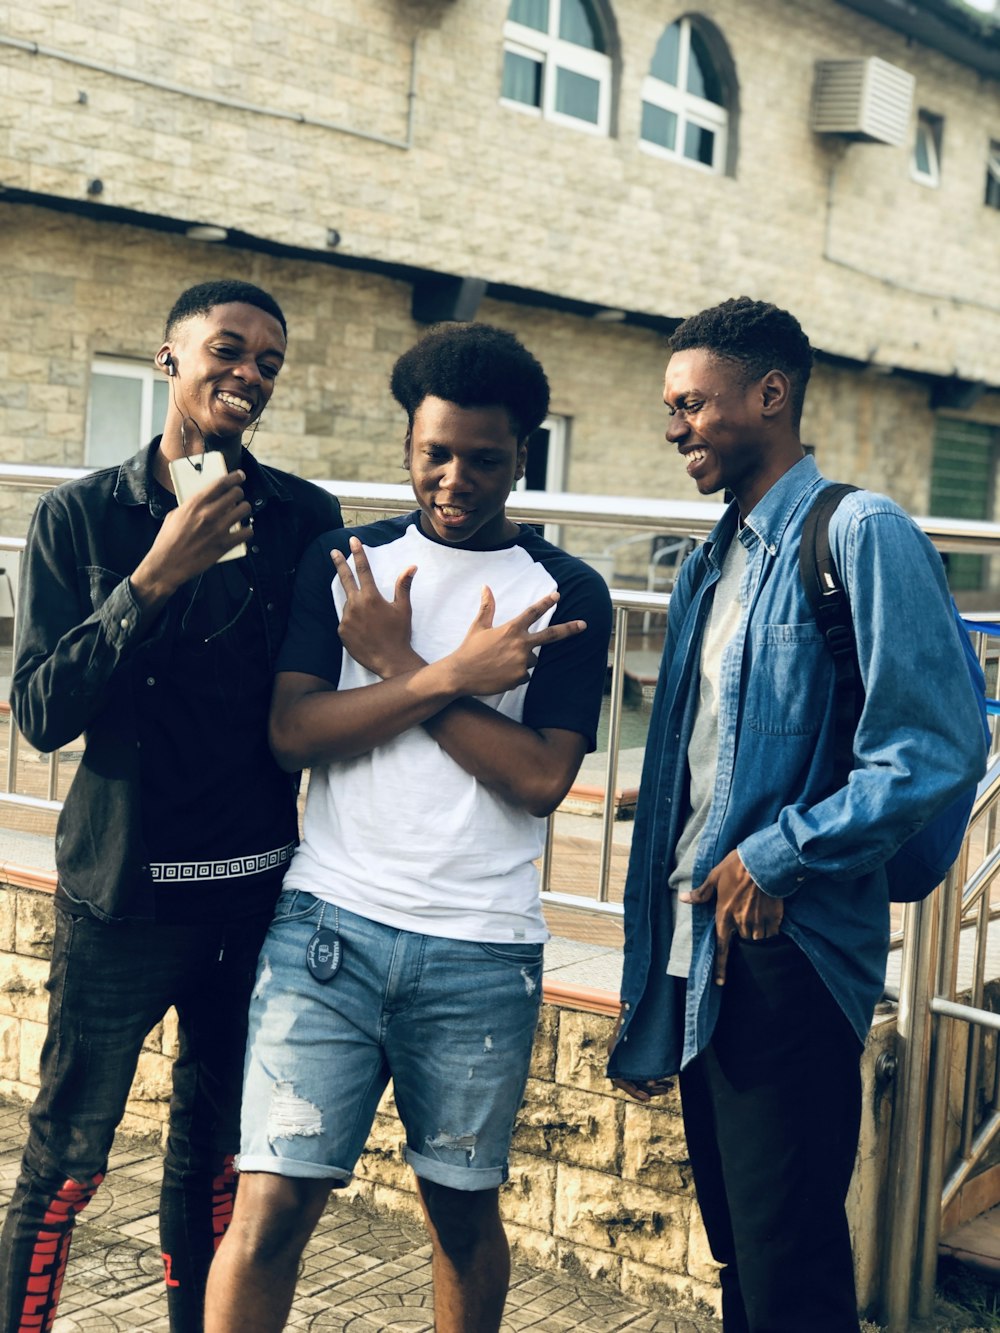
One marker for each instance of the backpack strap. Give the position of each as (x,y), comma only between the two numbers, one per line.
(830,606)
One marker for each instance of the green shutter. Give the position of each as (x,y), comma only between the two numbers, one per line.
(962,487)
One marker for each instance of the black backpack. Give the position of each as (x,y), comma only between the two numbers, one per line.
(920,865)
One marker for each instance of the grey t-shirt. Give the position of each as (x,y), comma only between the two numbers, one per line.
(703,748)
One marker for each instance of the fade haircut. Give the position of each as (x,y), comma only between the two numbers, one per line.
(756,336)
(474,365)
(206,296)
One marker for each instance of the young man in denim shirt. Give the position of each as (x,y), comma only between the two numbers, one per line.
(757,916)
(179,824)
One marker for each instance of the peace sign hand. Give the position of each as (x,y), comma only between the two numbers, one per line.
(375,631)
(493,659)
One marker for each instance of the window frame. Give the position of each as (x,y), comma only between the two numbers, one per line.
(553,53)
(932,127)
(121,368)
(556,462)
(689,108)
(992,175)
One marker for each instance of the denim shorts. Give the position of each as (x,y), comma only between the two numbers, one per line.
(451,1022)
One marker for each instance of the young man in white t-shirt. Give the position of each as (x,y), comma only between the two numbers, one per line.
(442,678)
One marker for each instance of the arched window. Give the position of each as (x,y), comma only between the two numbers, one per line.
(556,64)
(685,100)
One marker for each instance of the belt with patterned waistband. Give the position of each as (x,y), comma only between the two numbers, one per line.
(230,867)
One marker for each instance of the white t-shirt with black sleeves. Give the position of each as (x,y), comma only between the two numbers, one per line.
(404,835)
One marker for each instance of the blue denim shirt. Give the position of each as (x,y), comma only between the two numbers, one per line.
(803,835)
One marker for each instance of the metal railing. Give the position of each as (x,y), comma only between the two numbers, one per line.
(672,518)
(691,520)
(932,932)
(682,518)
(932,1156)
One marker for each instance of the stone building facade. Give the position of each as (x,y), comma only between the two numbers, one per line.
(371,164)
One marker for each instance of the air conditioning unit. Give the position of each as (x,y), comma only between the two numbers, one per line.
(866,99)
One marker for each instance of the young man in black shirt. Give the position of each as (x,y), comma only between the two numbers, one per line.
(138,629)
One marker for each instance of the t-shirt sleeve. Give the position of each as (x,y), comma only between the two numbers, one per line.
(567,685)
(312,643)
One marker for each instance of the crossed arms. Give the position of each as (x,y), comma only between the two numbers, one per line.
(313,722)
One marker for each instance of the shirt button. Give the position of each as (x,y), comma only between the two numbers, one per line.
(150,680)
(257,504)
(124,622)
(255,549)
(270,606)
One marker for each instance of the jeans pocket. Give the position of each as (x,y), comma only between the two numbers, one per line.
(294,905)
(521,955)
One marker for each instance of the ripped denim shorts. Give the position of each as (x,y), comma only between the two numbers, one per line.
(450,1022)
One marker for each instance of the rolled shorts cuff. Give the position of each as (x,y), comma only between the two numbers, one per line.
(283,1166)
(468,1178)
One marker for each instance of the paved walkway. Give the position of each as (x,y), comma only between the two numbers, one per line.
(364,1271)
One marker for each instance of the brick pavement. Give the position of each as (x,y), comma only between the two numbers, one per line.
(363,1272)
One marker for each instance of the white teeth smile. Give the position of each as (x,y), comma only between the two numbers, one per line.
(241,404)
(695,457)
(450,511)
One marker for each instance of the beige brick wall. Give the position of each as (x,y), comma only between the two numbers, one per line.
(77,289)
(599,1184)
(885,268)
(880,268)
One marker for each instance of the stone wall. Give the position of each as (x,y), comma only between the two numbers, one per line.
(888,270)
(599,1184)
(887,275)
(77,290)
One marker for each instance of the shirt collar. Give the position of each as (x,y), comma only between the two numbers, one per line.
(772,513)
(136,484)
(770,516)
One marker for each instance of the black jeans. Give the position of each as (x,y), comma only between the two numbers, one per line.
(109,985)
(772,1111)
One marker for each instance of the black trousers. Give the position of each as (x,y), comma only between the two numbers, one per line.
(772,1111)
(109,985)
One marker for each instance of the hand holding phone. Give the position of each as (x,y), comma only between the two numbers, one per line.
(192,474)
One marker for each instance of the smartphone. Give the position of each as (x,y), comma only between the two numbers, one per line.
(192,474)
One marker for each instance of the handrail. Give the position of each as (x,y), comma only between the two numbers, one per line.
(625,603)
(932,928)
(988,791)
(686,518)
(928,1007)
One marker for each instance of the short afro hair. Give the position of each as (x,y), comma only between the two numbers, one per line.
(206,296)
(757,336)
(474,365)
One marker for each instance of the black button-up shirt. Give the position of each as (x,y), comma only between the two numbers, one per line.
(85,655)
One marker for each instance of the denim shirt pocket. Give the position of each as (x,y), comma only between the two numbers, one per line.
(789,661)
